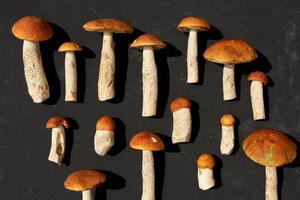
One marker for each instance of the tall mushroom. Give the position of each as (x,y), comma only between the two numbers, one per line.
(106,79)
(147,142)
(257,94)
(70,69)
(206,164)
(33,30)
(227,140)
(270,148)
(230,52)
(148,43)
(192,25)
(85,181)
(58,141)
(182,120)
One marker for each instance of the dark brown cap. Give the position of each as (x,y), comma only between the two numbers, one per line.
(69,46)
(54,122)
(179,103)
(193,23)
(112,25)
(206,161)
(227,120)
(105,123)
(258,76)
(146,141)
(148,40)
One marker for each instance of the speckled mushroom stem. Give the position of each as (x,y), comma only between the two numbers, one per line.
(150,87)
(271,183)
(182,125)
(257,100)
(87,195)
(205,178)
(70,77)
(106,86)
(57,150)
(34,72)
(229,92)
(148,176)
(192,58)
(227,140)
(103,141)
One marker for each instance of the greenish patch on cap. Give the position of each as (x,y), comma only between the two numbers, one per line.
(269,155)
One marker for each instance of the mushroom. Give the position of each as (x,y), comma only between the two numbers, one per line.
(192,25)
(270,148)
(106,87)
(70,69)
(206,163)
(257,94)
(85,181)
(58,141)
(33,30)
(148,43)
(182,120)
(147,142)
(104,136)
(227,141)
(230,52)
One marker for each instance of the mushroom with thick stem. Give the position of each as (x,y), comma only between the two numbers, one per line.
(227,140)
(192,25)
(104,136)
(85,181)
(182,120)
(148,43)
(147,142)
(106,79)
(230,52)
(33,30)
(58,141)
(270,148)
(206,164)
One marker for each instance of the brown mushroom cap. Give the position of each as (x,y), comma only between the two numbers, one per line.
(69,46)
(32,29)
(179,103)
(270,148)
(188,23)
(54,122)
(227,120)
(258,76)
(206,161)
(105,123)
(230,51)
(84,180)
(148,40)
(146,141)
(112,25)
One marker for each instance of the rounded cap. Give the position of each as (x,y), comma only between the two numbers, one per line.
(112,25)
(54,122)
(148,40)
(270,148)
(179,103)
(195,23)
(206,161)
(32,29)
(84,180)
(227,120)
(105,123)
(258,76)
(230,51)
(146,141)
(69,46)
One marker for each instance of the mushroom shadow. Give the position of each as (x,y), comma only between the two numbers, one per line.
(236,136)
(217,172)
(195,121)
(120,138)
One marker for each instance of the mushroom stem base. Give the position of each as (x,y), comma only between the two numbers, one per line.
(182,126)
(103,141)
(148,176)
(229,91)
(70,77)
(192,61)
(271,183)
(227,140)
(205,178)
(257,100)
(87,195)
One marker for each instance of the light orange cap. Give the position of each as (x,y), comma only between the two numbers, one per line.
(206,161)
(55,121)
(105,123)
(180,103)
(146,141)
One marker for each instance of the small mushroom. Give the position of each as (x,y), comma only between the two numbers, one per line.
(70,69)
(257,94)
(182,120)
(230,52)
(206,163)
(192,25)
(147,142)
(106,79)
(270,148)
(58,141)
(227,141)
(85,181)
(33,30)
(104,136)
(148,43)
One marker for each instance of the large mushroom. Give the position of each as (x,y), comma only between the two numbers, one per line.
(230,52)
(227,140)
(106,79)
(147,142)
(148,43)
(33,30)
(192,25)
(206,164)
(270,148)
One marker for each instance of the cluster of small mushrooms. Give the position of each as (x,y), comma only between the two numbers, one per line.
(267,147)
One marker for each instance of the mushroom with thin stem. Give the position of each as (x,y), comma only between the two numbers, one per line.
(270,148)
(206,164)
(147,142)
(85,181)
(106,79)
(148,43)
(33,30)
(230,52)
(192,25)
(227,140)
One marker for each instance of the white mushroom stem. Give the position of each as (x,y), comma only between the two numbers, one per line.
(103,141)
(87,195)
(205,178)
(70,76)
(192,58)
(271,183)
(106,81)
(148,176)
(182,125)
(227,140)
(37,84)
(228,82)
(257,100)
(150,87)
(57,150)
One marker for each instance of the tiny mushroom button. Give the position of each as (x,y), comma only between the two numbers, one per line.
(227,140)
(206,163)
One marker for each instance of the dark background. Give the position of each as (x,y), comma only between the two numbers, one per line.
(272,27)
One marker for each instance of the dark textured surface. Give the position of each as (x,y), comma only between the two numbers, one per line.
(272,27)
